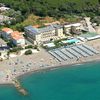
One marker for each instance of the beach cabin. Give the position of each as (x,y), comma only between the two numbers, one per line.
(49,45)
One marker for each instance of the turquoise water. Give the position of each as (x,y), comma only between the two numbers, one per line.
(72,41)
(79,82)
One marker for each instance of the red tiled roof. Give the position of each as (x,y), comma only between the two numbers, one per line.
(7,29)
(16,35)
(36,26)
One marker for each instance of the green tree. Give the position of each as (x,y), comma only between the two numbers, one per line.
(28,52)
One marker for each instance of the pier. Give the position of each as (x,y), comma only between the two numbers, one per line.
(18,86)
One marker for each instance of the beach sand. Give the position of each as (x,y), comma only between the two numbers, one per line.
(15,67)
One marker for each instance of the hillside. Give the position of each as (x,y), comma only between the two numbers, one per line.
(67,10)
(57,8)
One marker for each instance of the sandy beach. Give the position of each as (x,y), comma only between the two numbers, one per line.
(15,67)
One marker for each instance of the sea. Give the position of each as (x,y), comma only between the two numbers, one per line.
(74,82)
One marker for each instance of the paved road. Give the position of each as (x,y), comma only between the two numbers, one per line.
(90,28)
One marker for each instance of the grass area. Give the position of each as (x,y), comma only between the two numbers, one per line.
(34,20)
(41,21)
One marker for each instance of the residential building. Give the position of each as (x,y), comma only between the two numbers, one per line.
(3,48)
(17,38)
(6,33)
(41,35)
(4,9)
(4,18)
(2,43)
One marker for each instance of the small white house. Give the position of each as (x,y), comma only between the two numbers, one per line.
(17,38)
(4,8)
(49,45)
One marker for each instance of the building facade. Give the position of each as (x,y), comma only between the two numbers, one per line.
(6,33)
(40,35)
(4,9)
(67,27)
(17,38)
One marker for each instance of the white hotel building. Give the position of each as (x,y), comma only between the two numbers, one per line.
(40,35)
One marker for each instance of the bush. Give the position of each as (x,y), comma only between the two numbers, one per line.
(16,49)
(29,46)
(28,52)
(35,47)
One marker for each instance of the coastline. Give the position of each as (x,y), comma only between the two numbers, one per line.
(94,59)
(15,68)
(54,68)
(59,66)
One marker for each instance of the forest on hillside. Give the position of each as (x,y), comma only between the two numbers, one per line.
(55,8)
(29,11)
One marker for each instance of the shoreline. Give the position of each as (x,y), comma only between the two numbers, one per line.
(94,59)
(57,67)
(19,66)
(54,68)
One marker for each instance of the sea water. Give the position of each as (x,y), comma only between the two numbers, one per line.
(77,82)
